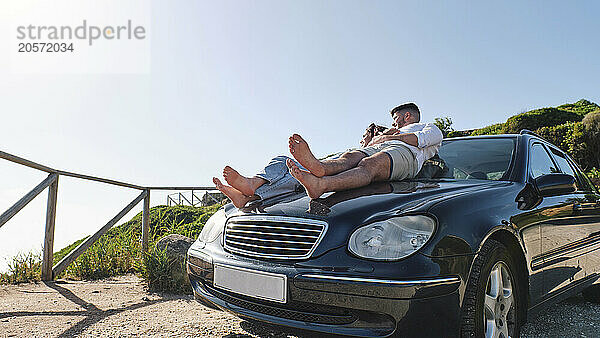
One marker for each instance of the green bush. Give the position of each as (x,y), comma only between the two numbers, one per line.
(457,133)
(558,135)
(113,254)
(581,140)
(581,107)
(569,137)
(594,175)
(23,268)
(494,129)
(164,274)
(535,119)
(591,126)
(119,250)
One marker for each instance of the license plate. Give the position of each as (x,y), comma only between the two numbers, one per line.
(258,284)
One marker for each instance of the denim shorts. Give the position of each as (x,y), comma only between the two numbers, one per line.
(278,177)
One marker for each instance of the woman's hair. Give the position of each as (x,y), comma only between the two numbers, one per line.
(375,130)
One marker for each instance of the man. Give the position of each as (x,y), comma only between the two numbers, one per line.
(275,179)
(396,155)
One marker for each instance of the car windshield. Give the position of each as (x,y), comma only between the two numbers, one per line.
(481,158)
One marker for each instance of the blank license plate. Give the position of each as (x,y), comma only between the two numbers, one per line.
(259,284)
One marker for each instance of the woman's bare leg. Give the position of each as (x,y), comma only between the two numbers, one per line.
(246,185)
(236,196)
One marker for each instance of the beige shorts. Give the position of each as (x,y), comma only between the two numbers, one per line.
(403,161)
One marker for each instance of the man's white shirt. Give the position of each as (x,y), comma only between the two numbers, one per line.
(429,138)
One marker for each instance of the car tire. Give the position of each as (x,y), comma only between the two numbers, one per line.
(592,293)
(492,298)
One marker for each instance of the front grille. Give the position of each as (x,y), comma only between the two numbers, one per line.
(276,237)
(312,313)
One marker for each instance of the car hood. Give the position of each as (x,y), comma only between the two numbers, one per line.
(344,211)
(383,198)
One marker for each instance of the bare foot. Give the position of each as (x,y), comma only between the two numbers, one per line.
(236,196)
(245,185)
(301,152)
(311,183)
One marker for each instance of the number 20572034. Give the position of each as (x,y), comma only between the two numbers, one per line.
(44,47)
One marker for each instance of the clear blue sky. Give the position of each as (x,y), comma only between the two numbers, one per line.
(231,80)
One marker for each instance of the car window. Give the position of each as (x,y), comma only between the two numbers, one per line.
(567,167)
(583,182)
(483,159)
(562,162)
(540,162)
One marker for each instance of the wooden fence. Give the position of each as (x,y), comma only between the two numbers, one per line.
(49,272)
(207,198)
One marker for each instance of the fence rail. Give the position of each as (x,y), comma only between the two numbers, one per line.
(50,272)
(208,198)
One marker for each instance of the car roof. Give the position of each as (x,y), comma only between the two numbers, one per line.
(484,136)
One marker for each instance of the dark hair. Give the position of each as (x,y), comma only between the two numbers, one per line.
(410,106)
(375,129)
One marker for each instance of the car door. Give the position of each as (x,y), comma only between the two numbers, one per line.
(531,221)
(555,216)
(566,239)
(586,217)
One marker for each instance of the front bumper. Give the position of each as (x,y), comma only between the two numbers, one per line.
(341,302)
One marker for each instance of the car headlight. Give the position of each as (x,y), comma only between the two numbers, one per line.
(393,238)
(213,227)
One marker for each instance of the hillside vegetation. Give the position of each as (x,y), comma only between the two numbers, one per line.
(119,250)
(573,127)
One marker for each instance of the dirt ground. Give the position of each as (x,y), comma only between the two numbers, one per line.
(120,307)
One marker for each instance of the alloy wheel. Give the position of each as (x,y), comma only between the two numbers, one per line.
(498,308)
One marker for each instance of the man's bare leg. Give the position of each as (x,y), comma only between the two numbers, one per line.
(236,196)
(370,169)
(348,160)
(301,151)
(246,185)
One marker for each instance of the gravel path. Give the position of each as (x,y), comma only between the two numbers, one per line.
(120,307)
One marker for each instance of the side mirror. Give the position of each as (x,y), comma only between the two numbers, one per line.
(555,184)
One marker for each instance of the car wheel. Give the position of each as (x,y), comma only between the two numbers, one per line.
(492,302)
(592,293)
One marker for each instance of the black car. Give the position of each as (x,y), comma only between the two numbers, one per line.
(497,228)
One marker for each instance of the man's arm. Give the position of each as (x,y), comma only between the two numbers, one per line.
(408,138)
(390,131)
(428,136)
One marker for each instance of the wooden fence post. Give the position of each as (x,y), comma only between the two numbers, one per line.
(146,222)
(49,236)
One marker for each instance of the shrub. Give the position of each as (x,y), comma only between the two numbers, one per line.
(458,133)
(581,107)
(494,129)
(558,135)
(591,124)
(23,268)
(119,251)
(535,119)
(113,254)
(594,176)
(581,140)
(570,137)
(163,274)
